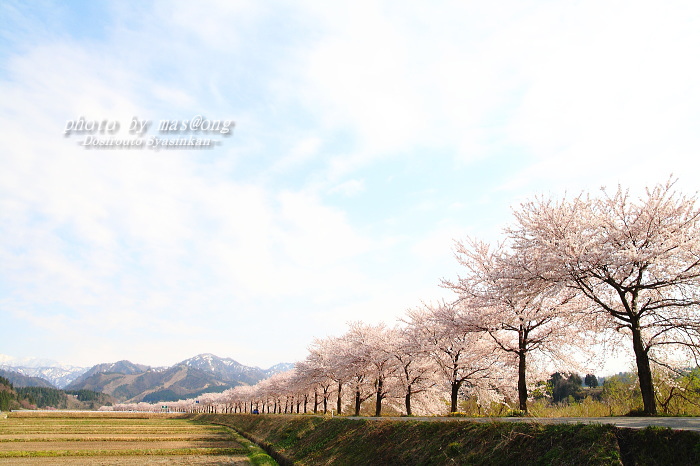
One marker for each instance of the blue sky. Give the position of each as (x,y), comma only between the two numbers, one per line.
(368,136)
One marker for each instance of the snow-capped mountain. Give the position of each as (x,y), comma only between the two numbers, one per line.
(58,376)
(223,372)
(230,369)
(6,360)
(281,367)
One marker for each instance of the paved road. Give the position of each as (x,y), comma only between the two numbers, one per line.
(680,423)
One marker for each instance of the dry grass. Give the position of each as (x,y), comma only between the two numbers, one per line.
(143,438)
(191,460)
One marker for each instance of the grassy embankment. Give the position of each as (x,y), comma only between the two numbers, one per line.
(133,438)
(317,440)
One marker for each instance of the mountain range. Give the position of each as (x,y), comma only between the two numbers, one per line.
(57,374)
(129,382)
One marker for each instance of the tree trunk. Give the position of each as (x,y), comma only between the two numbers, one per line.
(453,396)
(315,401)
(358,402)
(339,405)
(646,383)
(408,401)
(378,406)
(522,382)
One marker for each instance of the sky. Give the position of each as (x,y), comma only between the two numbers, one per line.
(365,138)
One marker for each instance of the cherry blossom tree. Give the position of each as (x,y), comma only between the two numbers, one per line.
(415,369)
(328,358)
(313,370)
(465,359)
(521,315)
(636,260)
(309,377)
(243,394)
(267,395)
(372,357)
(359,383)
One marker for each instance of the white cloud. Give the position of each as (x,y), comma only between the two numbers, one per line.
(304,151)
(333,104)
(138,236)
(349,188)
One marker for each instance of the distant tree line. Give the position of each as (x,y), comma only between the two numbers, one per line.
(10,398)
(43,397)
(7,394)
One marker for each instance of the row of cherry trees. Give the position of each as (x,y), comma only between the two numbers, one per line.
(408,366)
(568,274)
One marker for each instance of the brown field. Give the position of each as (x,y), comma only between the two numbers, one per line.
(115,439)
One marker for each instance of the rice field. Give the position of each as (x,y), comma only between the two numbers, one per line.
(116,438)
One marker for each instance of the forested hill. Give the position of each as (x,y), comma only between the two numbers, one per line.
(8,396)
(12,397)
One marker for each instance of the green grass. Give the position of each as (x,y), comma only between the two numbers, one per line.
(655,445)
(318,440)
